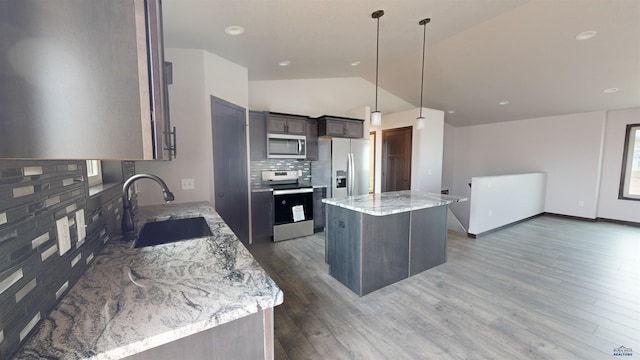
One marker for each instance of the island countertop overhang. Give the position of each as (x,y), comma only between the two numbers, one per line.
(393,202)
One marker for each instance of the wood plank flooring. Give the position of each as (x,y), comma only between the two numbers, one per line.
(547,288)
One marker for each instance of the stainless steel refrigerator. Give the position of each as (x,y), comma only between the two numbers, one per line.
(344,166)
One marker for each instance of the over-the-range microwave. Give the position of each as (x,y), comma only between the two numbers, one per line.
(282,146)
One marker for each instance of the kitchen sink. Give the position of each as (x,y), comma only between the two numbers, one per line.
(169,231)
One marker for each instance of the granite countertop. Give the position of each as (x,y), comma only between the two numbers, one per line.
(131,300)
(394,202)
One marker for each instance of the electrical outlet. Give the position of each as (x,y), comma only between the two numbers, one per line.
(581,203)
(64,237)
(188,184)
(490,212)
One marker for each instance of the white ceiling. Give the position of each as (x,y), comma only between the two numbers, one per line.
(479,52)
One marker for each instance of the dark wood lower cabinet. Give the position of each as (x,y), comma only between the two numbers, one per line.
(319,208)
(261,215)
(250,337)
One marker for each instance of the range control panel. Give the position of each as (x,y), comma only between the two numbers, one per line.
(280,175)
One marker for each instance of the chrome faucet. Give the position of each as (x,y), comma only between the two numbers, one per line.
(127,215)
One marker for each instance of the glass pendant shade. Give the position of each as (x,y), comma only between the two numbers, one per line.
(376,118)
(421,122)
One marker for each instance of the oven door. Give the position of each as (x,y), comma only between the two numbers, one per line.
(292,213)
(284,202)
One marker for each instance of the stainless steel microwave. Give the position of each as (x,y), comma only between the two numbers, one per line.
(282,146)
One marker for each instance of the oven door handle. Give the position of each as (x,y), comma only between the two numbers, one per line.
(292,191)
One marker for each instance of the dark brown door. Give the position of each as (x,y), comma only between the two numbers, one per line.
(396,159)
(230,166)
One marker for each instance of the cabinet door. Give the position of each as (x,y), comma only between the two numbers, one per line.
(312,140)
(335,128)
(318,209)
(93,100)
(296,126)
(261,215)
(353,129)
(257,136)
(276,124)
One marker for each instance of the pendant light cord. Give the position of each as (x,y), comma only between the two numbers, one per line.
(424,45)
(377,15)
(377,55)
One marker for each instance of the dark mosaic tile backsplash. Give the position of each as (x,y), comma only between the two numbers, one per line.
(34,275)
(278,164)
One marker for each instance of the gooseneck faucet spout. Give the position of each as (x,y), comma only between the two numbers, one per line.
(127,215)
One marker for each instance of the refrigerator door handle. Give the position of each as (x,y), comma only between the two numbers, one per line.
(350,174)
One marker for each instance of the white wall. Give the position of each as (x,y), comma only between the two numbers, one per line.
(567,148)
(448,156)
(427,144)
(610,207)
(197,74)
(316,97)
(500,200)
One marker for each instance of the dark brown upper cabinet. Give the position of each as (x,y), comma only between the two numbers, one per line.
(312,139)
(340,127)
(83,80)
(286,124)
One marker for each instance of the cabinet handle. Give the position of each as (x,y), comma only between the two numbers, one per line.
(175,142)
(173,146)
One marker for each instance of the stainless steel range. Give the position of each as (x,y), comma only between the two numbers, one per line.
(292,204)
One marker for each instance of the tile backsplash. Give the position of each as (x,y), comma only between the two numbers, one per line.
(36,268)
(278,164)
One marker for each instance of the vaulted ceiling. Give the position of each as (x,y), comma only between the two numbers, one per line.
(479,52)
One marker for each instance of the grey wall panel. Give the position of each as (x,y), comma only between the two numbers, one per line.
(428,238)
(385,250)
(343,251)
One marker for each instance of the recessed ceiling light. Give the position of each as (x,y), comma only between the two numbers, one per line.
(610,90)
(284,63)
(234,30)
(355,63)
(451,111)
(586,35)
(503,102)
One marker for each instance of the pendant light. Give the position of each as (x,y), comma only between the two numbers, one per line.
(421,121)
(376,116)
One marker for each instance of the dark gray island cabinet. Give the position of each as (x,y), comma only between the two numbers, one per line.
(378,239)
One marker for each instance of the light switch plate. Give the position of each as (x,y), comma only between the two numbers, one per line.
(64,237)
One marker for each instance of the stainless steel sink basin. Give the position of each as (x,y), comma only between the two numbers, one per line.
(169,231)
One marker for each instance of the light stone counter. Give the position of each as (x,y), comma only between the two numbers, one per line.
(131,300)
(394,202)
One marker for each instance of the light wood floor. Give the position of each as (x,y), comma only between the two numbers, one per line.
(548,288)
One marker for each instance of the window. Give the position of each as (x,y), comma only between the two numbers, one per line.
(630,178)
(94,172)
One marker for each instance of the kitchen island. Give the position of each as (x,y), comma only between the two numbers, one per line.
(376,240)
(198,298)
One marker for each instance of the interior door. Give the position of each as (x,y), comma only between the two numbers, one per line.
(396,159)
(230,165)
